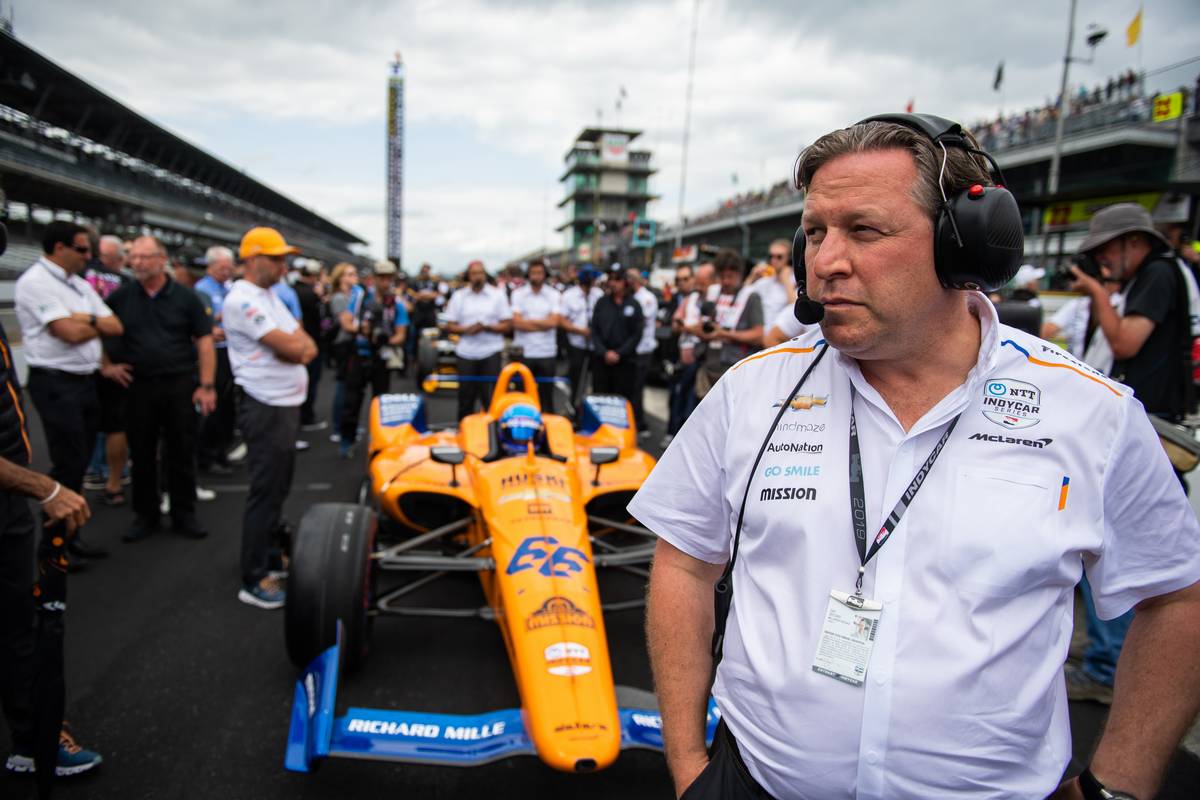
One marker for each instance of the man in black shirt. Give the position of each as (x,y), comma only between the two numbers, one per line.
(616,330)
(1152,342)
(307,288)
(168,340)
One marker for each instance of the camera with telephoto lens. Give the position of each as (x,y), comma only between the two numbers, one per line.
(708,316)
(375,334)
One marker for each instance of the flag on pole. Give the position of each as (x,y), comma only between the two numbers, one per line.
(1134,31)
(908,108)
(999,77)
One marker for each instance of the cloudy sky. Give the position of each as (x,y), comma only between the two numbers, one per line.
(294,91)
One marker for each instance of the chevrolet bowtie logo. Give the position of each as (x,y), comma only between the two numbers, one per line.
(804,402)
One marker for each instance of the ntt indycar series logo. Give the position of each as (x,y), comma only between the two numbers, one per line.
(1011,403)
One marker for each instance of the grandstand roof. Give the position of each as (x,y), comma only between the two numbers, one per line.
(35,85)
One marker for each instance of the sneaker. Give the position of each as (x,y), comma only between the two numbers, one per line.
(278,563)
(1081,686)
(267,594)
(142,528)
(237,454)
(302,445)
(72,759)
(335,438)
(94,481)
(345,450)
(204,495)
(164,505)
(189,527)
(318,425)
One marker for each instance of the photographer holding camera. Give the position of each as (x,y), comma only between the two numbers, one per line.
(382,329)
(731,321)
(1152,342)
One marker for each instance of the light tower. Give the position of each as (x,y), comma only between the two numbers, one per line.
(395,161)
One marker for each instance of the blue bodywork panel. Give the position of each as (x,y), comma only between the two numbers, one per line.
(417,737)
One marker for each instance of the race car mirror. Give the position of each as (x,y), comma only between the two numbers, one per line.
(601,456)
(448,454)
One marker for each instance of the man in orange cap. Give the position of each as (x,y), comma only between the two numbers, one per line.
(267,350)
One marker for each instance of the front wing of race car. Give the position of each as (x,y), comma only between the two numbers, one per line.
(408,736)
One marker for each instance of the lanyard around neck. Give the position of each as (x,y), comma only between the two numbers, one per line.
(858,501)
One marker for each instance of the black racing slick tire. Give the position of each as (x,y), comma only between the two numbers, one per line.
(331,576)
(427,358)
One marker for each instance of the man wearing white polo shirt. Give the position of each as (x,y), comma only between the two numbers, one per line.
(62,319)
(910,496)
(267,350)
(480,315)
(536,311)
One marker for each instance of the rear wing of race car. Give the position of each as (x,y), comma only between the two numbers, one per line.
(317,732)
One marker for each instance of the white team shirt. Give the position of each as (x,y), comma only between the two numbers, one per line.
(578,308)
(1051,470)
(537,305)
(774,295)
(250,313)
(490,306)
(649,303)
(45,293)
(786,321)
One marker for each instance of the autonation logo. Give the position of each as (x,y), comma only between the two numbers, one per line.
(795,447)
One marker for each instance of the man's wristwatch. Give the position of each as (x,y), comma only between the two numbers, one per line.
(92,320)
(1095,790)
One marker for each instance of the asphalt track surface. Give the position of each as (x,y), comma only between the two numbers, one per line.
(187,691)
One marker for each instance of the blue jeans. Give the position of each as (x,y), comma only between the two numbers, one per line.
(683,396)
(1105,639)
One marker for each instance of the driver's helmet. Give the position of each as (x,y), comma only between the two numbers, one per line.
(520,424)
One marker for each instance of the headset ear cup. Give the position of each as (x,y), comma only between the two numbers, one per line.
(798,261)
(993,240)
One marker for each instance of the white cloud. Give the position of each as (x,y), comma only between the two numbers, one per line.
(523,77)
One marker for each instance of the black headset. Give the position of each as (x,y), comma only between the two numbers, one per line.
(978,238)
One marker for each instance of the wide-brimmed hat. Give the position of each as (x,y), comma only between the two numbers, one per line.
(1118,220)
(383,267)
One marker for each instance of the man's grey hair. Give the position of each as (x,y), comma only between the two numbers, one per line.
(115,241)
(217,252)
(962,168)
(159,246)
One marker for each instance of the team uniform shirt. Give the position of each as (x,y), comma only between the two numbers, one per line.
(1051,470)
(252,313)
(649,303)
(536,306)
(774,295)
(786,321)
(45,293)
(577,308)
(489,306)
(216,292)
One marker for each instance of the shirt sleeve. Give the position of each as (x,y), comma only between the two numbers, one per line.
(683,501)
(453,309)
(401,314)
(1153,294)
(98,307)
(252,318)
(1151,535)
(503,310)
(43,310)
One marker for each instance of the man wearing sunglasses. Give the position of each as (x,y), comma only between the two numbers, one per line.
(774,284)
(62,319)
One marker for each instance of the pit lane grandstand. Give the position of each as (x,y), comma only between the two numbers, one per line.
(70,151)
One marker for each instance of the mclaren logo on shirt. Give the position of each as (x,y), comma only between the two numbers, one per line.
(1037,444)
(1011,403)
(788,493)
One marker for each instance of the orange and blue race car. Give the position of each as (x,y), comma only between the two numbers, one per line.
(533,507)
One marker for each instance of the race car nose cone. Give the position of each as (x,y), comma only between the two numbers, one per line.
(585,765)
